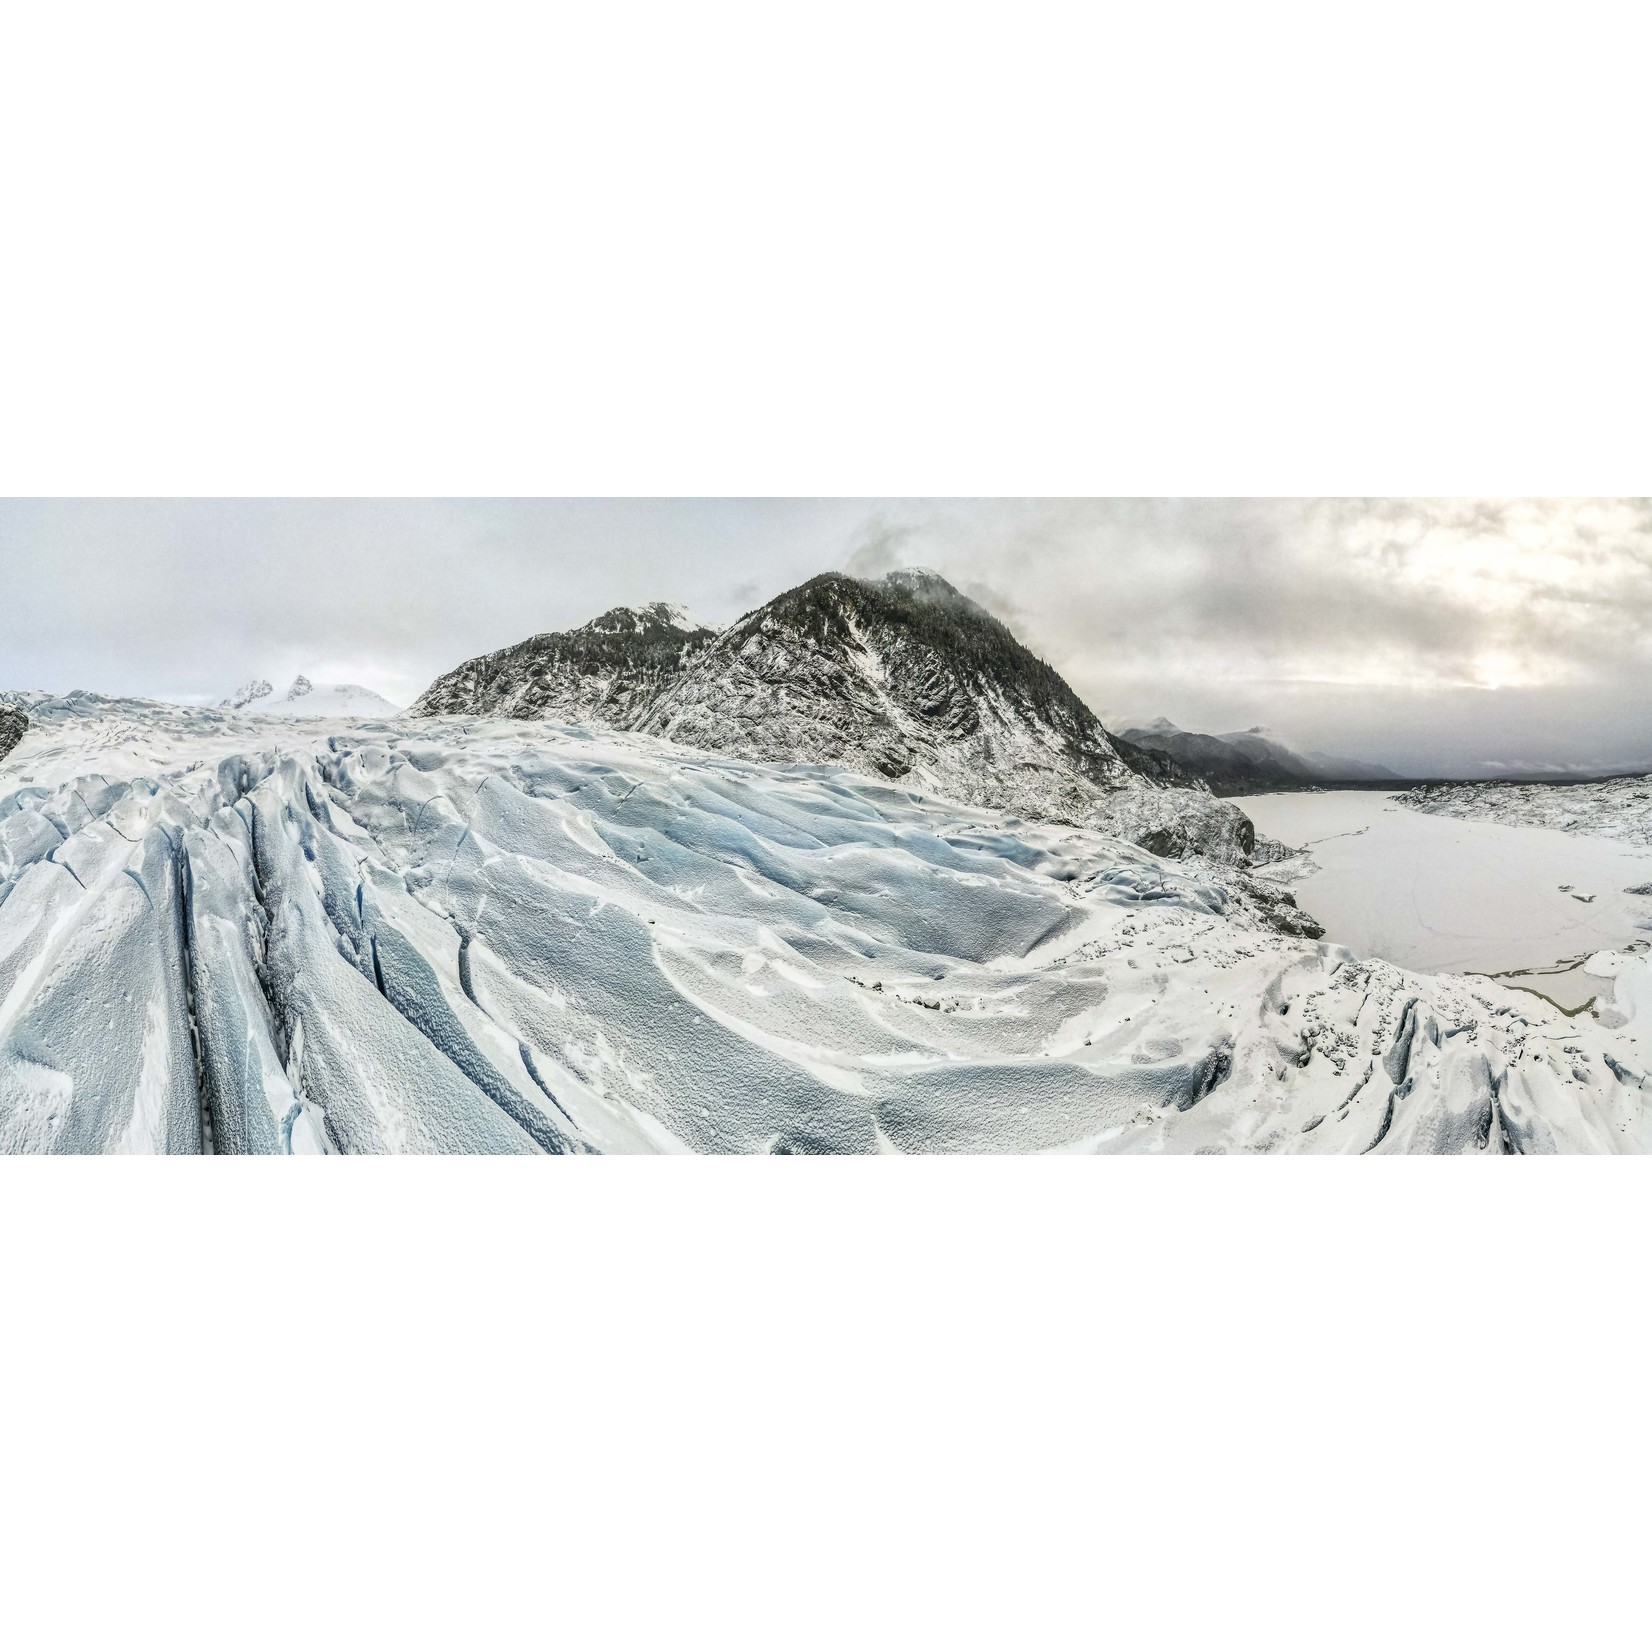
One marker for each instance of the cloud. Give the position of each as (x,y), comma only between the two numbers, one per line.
(748,594)
(878,548)
(1386,627)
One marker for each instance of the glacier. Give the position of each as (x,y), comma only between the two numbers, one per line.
(221,933)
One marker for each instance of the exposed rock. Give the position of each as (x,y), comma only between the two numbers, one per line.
(606,674)
(14,725)
(905,678)
(260,688)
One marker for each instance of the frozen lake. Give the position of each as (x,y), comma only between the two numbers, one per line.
(1432,893)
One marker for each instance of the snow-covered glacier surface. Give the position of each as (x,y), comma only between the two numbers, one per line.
(503,937)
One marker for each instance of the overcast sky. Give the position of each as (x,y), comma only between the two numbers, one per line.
(1438,636)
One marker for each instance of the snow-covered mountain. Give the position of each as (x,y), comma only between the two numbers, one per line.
(1253,759)
(306,699)
(496,936)
(605,674)
(902,677)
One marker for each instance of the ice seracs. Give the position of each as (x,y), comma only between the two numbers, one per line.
(499,936)
(260,688)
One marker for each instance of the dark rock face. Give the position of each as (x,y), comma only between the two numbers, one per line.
(605,674)
(13,726)
(1278,909)
(907,678)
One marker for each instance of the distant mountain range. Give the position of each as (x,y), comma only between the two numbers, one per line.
(902,677)
(306,699)
(1251,761)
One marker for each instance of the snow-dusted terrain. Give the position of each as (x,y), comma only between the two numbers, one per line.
(306,699)
(1619,810)
(504,937)
(903,677)
(606,673)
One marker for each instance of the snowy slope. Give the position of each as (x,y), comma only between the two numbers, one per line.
(306,699)
(497,937)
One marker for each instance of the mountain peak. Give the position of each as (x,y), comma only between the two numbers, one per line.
(14,724)
(652,620)
(304,698)
(259,688)
(924,583)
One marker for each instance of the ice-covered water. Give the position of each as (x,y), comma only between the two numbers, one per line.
(1432,892)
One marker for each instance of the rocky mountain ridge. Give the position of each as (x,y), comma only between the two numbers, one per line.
(307,699)
(1251,760)
(604,674)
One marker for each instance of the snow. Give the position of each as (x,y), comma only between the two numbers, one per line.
(306,699)
(1620,810)
(655,614)
(1432,892)
(674,614)
(1631,975)
(491,936)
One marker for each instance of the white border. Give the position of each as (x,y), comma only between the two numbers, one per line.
(902,249)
